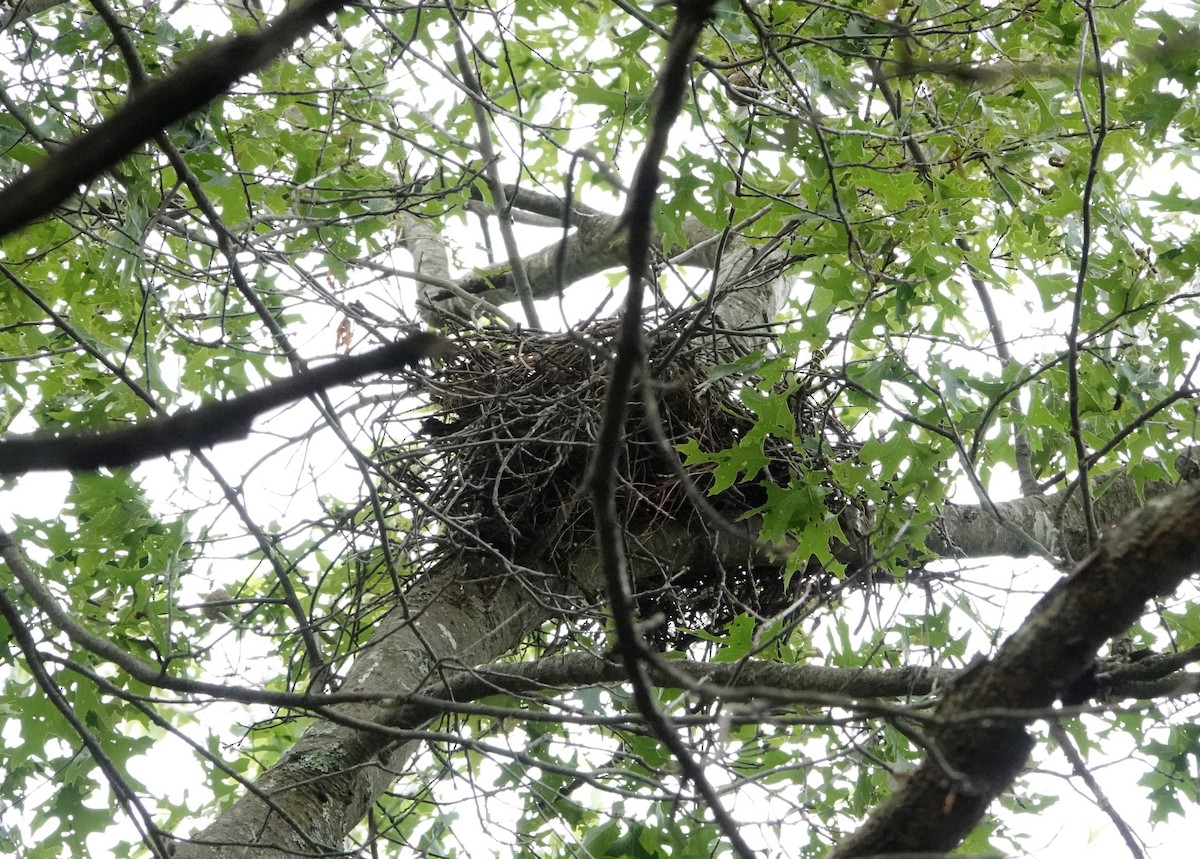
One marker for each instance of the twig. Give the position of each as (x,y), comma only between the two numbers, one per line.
(1097,134)
(1022,452)
(1079,767)
(492,171)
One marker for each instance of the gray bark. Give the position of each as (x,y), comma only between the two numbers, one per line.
(308,801)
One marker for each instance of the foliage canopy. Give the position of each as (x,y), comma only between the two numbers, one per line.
(923,291)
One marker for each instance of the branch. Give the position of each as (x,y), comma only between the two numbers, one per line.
(194,84)
(1146,557)
(124,793)
(1080,768)
(969,531)
(598,243)
(1096,134)
(1022,452)
(23,10)
(492,172)
(209,424)
(669,93)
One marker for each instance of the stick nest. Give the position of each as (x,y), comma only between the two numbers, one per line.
(501,462)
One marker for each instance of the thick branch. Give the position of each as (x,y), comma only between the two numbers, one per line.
(22,10)
(969,531)
(599,243)
(333,774)
(1146,557)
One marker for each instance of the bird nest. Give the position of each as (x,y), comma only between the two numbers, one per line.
(501,460)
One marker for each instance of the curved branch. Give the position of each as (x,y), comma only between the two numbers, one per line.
(638,220)
(1148,556)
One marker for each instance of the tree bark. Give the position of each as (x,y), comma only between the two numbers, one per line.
(323,786)
(980,742)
